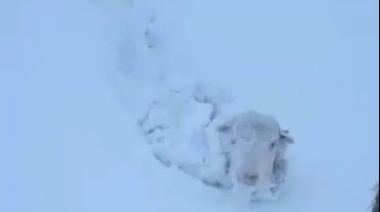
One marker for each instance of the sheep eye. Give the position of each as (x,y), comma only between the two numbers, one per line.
(224,128)
(272,145)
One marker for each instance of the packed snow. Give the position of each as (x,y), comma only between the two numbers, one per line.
(78,79)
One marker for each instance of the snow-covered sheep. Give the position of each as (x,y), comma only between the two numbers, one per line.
(254,147)
(238,148)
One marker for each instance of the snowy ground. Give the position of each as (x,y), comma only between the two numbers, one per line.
(76,75)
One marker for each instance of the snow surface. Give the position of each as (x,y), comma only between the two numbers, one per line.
(77,75)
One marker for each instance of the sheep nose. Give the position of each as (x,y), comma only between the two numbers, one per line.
(253,179)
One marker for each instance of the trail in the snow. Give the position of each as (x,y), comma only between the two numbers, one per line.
(303,63)
(69,144)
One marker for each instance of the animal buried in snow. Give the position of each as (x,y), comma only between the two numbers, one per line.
(254,147)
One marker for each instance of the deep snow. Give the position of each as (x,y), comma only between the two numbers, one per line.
(76,75)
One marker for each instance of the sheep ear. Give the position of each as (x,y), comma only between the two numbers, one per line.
(284,135)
